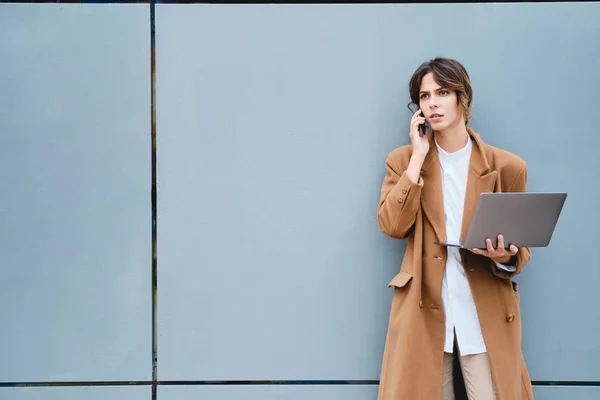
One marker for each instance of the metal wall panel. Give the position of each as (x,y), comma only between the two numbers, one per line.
(258,392)
(346,392)
(566,392)
(76,393)
(274,122)
(270,263)
(75,207)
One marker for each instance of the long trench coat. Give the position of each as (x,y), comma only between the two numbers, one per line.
(414,348)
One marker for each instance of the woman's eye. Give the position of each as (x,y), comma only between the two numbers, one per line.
(443,92)
(423,96)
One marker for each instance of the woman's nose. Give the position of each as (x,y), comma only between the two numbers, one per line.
(433,103)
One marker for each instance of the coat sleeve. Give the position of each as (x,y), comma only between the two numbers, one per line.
(524,254)
(399,202)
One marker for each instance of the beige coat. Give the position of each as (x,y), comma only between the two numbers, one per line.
(414,348)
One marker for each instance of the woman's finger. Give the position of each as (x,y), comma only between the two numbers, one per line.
(500,243)
(488,243)
(419,120)
(481,252)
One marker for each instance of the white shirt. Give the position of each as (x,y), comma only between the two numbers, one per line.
(459,307)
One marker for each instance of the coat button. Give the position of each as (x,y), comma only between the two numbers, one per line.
(399,199)
(421,304)
(404,191)
(510,318)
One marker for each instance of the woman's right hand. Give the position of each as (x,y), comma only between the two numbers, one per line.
(420,144)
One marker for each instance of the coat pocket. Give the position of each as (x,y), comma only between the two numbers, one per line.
(514,285)
(516,291)
(401,279)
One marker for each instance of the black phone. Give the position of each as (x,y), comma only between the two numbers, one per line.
(424,128)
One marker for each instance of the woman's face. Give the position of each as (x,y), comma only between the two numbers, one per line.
(439,105)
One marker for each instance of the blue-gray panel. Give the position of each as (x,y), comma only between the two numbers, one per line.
(526,108)
(271,392)
(271,264)
(566,392)
(75,209)
(273,127)
(76,393)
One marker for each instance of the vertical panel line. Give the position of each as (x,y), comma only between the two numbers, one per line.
(153,196)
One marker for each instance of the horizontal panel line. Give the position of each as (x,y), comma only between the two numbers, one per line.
(270,382)
(341,382)
(75,383)
(246,383)
(76,1)
(265,2)
(565,383)
(350,2)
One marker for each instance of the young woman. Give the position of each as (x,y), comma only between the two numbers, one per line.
(450,302)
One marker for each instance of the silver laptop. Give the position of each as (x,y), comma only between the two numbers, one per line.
(523,219)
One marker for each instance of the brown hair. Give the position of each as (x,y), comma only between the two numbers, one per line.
(449,74)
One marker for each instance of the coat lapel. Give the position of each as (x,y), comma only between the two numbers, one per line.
(481,179)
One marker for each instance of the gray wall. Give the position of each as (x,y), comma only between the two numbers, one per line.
(74,210)
(273,127)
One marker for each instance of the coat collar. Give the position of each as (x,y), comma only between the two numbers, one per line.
(481,178)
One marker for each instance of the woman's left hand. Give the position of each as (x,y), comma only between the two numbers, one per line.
(500,254)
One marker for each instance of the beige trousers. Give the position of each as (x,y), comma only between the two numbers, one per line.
(476,374)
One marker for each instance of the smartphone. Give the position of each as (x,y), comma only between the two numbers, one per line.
(424,128)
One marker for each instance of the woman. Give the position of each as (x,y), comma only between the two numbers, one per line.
(448,302)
